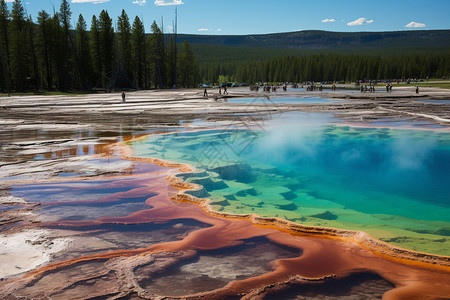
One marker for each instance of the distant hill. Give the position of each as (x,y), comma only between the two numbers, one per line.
(321,55)
(323,40)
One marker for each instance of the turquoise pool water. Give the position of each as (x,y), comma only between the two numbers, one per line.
(391,183)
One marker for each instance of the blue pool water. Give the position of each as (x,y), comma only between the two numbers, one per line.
(391,183)
(309,100)
(436,101)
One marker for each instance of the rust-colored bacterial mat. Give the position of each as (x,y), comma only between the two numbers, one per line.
(140,236)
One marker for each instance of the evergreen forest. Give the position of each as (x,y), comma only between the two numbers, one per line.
(327,66)
(49,54)
(46,53)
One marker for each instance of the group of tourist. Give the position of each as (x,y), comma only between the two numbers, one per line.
(365,89)
(311,86)
(314,87)
(388,87)
(225,91)
(269,88)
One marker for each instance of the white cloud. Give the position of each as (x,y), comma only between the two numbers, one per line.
(90,1)
(168,2)
(415,25)
(359,22)
(328,20)
(140,2)
(203,29)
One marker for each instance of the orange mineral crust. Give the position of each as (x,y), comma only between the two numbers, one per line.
(323,254)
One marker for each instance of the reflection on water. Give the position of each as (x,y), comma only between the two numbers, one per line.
(90,200)
(287,100)
(111,237)
(62,142)
(71,191)
(5,207)
(435,101)
(390,183)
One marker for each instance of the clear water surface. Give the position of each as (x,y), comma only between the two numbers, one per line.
(285,100)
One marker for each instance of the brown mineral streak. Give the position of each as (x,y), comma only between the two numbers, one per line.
(310,258)
(325,252)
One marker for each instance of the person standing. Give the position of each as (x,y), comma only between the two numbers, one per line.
(123,96)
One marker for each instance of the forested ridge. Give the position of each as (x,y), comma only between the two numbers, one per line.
(323,56)
(46,53)
(327,67)
(322,40)
(49,54)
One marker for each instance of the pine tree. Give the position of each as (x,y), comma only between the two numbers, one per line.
(138,52)
(66,47)
(157,55)
(33,59)
(171,61)
(83,51)
(96,52)
(188,71)
(4,22)
(58,54)
(44,42)
(124,41)
(4,47)
(19,55)
(106,33)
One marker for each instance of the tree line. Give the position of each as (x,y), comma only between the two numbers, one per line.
(50,54)
(329,67)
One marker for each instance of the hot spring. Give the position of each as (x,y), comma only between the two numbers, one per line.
(390,183)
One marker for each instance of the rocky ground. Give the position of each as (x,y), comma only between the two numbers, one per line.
(45,136)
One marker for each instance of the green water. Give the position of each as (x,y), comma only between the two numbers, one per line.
(391,183)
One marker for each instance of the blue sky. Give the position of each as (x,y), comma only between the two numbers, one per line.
(237,17)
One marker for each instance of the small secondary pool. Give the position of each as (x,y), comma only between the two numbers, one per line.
(272,101)
(436,101)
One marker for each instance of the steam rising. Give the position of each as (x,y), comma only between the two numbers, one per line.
(404,162)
